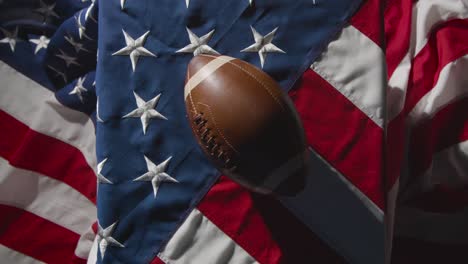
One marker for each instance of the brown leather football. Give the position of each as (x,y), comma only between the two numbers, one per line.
(246,124)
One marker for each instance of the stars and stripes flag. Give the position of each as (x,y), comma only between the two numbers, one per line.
(98,164)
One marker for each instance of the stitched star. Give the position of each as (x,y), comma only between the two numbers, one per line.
(98,118)
(101,178)
(145,111)
(122,3)
(105,238)
(134,48)
(156,174)
(76,45)
(250,2)
(263,45)
(46,10)
(69,60)
(88,12)
(41,43)
(79,89)
(81,28)
(10,38)
(198,45)
(58,73)
(187,2)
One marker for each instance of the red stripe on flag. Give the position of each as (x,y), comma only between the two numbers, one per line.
(157,260)
(397,19)
(35,236)
(341,133)
(395,148)
(249,218)
(94,227)
(412,251)
(448,127)
(446,43)
(368,20)
(27,149)
(77,260)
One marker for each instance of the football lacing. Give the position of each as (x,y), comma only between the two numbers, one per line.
(210,143)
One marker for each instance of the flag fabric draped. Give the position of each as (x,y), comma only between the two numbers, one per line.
(98,164)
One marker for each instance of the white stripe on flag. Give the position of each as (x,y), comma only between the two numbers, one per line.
(426,14)
(451,85)
(449,167)
(37,107)
(368,203)
(198,240)
(335,210)
(92,257)
(429,13)
(353,64)
(46,197)
(397,86)
(85,244)
(9,255)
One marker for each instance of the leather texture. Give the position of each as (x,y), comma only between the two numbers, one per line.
(246,124)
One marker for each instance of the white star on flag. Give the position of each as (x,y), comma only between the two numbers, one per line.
(145,111)
(79,89)
(105,238)
(134,48)
(198,45)
(81,28)
(187,2)
(41,43)
(76,45)
(58,73)
(10,38)
(101,178)
(47,10)
(68,59)
(263,45)
(156,174)
(122,3)
(98,117)
(88,13)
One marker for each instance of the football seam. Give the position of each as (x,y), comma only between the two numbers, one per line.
(217,128)
(211,115)
(253,77)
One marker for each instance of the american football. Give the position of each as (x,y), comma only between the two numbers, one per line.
(246,124)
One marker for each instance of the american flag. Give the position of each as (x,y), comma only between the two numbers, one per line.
(98,164)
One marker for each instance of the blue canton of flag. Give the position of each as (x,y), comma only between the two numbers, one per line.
(155,172)
(55,45)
